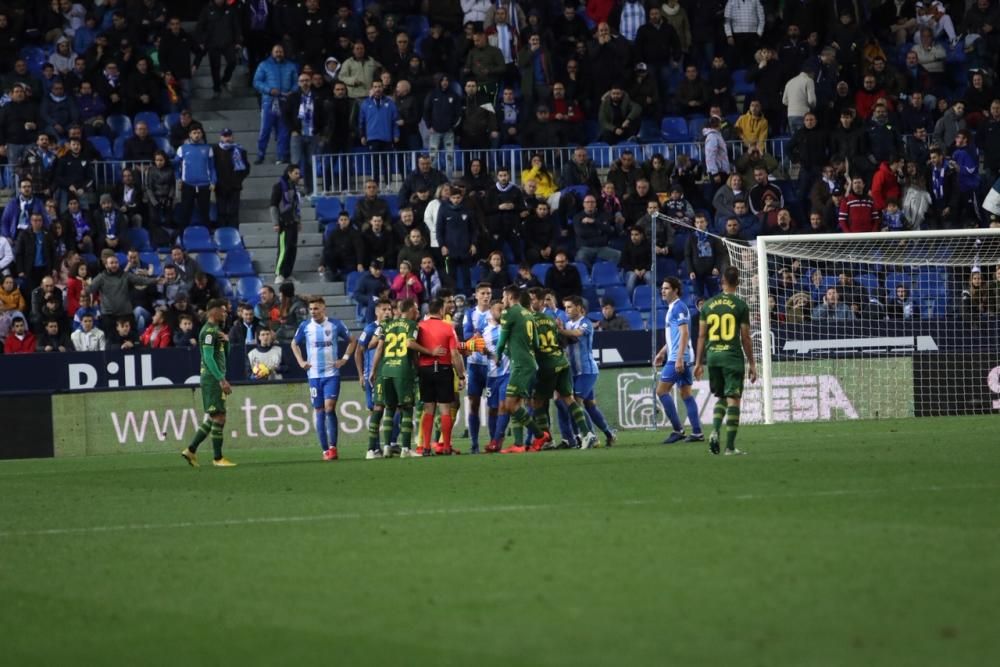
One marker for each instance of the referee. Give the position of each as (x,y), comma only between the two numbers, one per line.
(437,374)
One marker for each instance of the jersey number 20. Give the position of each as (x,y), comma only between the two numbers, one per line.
(721,327)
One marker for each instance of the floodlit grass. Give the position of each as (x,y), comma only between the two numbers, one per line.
(850,543)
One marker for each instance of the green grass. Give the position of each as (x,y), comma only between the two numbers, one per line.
(848,543)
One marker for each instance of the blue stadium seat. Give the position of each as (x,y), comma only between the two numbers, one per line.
(541,270)
(327,209)
(210,263)
(163,144)
(584,273)
(595,316)
(152,258)
(138,239)
(152,119)
(238,264)
(619,296)
(589,295)
(118,149)
(641,298)
(674,129)
(103,146)
(634,319)
(605,274)
(227,239)
(599,153)
(351,203)
(120,125)
(170,120)
(248,289)
(197,239)
(695,126)
(353,278)
(740,84)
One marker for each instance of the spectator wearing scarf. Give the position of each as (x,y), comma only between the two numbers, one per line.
(303,117)
(232,166)
(287,220)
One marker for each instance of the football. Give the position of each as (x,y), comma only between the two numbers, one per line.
(260,371)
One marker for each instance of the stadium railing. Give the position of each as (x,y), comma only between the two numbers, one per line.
(106,173)
(346,173)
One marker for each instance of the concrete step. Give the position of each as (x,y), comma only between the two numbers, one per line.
(308,258)
(270,240)
(260,212)
(239,117)
(239,86)
(224,104)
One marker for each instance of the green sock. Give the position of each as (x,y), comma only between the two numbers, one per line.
(732,425)
(518,434)
(374,423)
(717,414)
(405,427)
(200,434)
(217,440)
(579,418)
(523,419)
(541,417)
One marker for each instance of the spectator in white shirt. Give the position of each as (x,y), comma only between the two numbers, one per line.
(88,338)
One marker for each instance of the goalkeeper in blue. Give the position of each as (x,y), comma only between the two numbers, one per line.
(579,332)
(677,358)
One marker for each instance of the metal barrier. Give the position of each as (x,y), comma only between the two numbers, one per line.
(106,173)
(346,173)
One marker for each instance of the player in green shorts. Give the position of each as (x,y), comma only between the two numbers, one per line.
(518,340)
(215,389)
(724,336)
(394,376)
(554,373)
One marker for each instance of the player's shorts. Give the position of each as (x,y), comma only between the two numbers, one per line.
(212,398)
(670,375)
(437,384)
(550,381)
(396,391)
(476,378)
(521,379)
(583,385)
(324,389)
(371,392)
(726,382)
(496,390)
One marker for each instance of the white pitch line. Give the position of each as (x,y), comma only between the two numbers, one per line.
(487,509)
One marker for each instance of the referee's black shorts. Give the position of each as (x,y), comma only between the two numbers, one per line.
(437,383)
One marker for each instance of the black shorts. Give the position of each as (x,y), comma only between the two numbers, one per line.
(437,384)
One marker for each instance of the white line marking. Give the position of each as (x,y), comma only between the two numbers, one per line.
(487,509)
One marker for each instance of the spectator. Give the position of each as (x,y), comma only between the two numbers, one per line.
(430,278)
(204,289)
(857,211)
(123,337)
(18,211)
(53,338)
(567,114)
(19,340)
(832,309)
(800,98)
(158,334)
(456,233)
(369,206)
(425,177)
(129,199)
(274,81)
(636,259)
(679,208)
(413,246)
(744,26)
(540,233)
(495,273)
(478,127)
(580,171)
(716,152)
(618,116)
(343,249)
(752,127)
(220,35)
(893,219)
(286,216)
(902,305)
(541,131)
(18,125)
(140,147)
(704,257)
(504,210)
(143,89)
(377,118)
(185,335)
(88,338)
(110,226)
(358,72)
(563,277)
(160,188)
(304,118)
(610,320)
(371,287)
(113,286)
(379,242)
(58,111)
(484,64)
(267,355)
(950,124)
(762,185)
(406,284)
(693,94)
(197,175)
(232,166)
(244,330)
(74,176)
(886,182)
(33,253)
(594,232)
(176,52)
(965,163)
(181,129)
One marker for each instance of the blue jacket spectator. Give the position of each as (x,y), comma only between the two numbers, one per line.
(442,107)
(274,80)
(275,73)
(370,287)
(377,119)
(195,165)
(17,213)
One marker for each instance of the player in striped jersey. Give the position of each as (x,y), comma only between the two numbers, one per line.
(679,363)
(478,364)
(579,330)
(320,337)
(499,369)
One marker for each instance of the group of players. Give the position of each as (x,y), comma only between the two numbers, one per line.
(520,353)
(512,355)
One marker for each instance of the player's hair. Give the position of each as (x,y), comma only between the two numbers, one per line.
(316,299)
(731,276)
(405,305)
(575,300)
(244,305)
(383,302)
(674,283)
(547,291)
(445,293)
(483,285)
(513,290)
(436,306)
(216,303)
(496,302)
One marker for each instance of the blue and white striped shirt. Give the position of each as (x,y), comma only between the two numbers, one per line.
(492,336)
(633,16)
(581,353)
(363,341)
(320,341)
(475,322)
(678,315)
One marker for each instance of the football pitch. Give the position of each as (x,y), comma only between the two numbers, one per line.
(872,543)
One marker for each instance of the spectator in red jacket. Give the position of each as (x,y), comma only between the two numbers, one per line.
(158,334)
(885,183)
(19,340)
(406,285)
(857,211)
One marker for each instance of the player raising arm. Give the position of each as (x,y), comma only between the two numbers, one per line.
(214,388)
(320,337)
(724,317)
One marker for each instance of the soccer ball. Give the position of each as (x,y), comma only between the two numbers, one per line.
(260,371)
